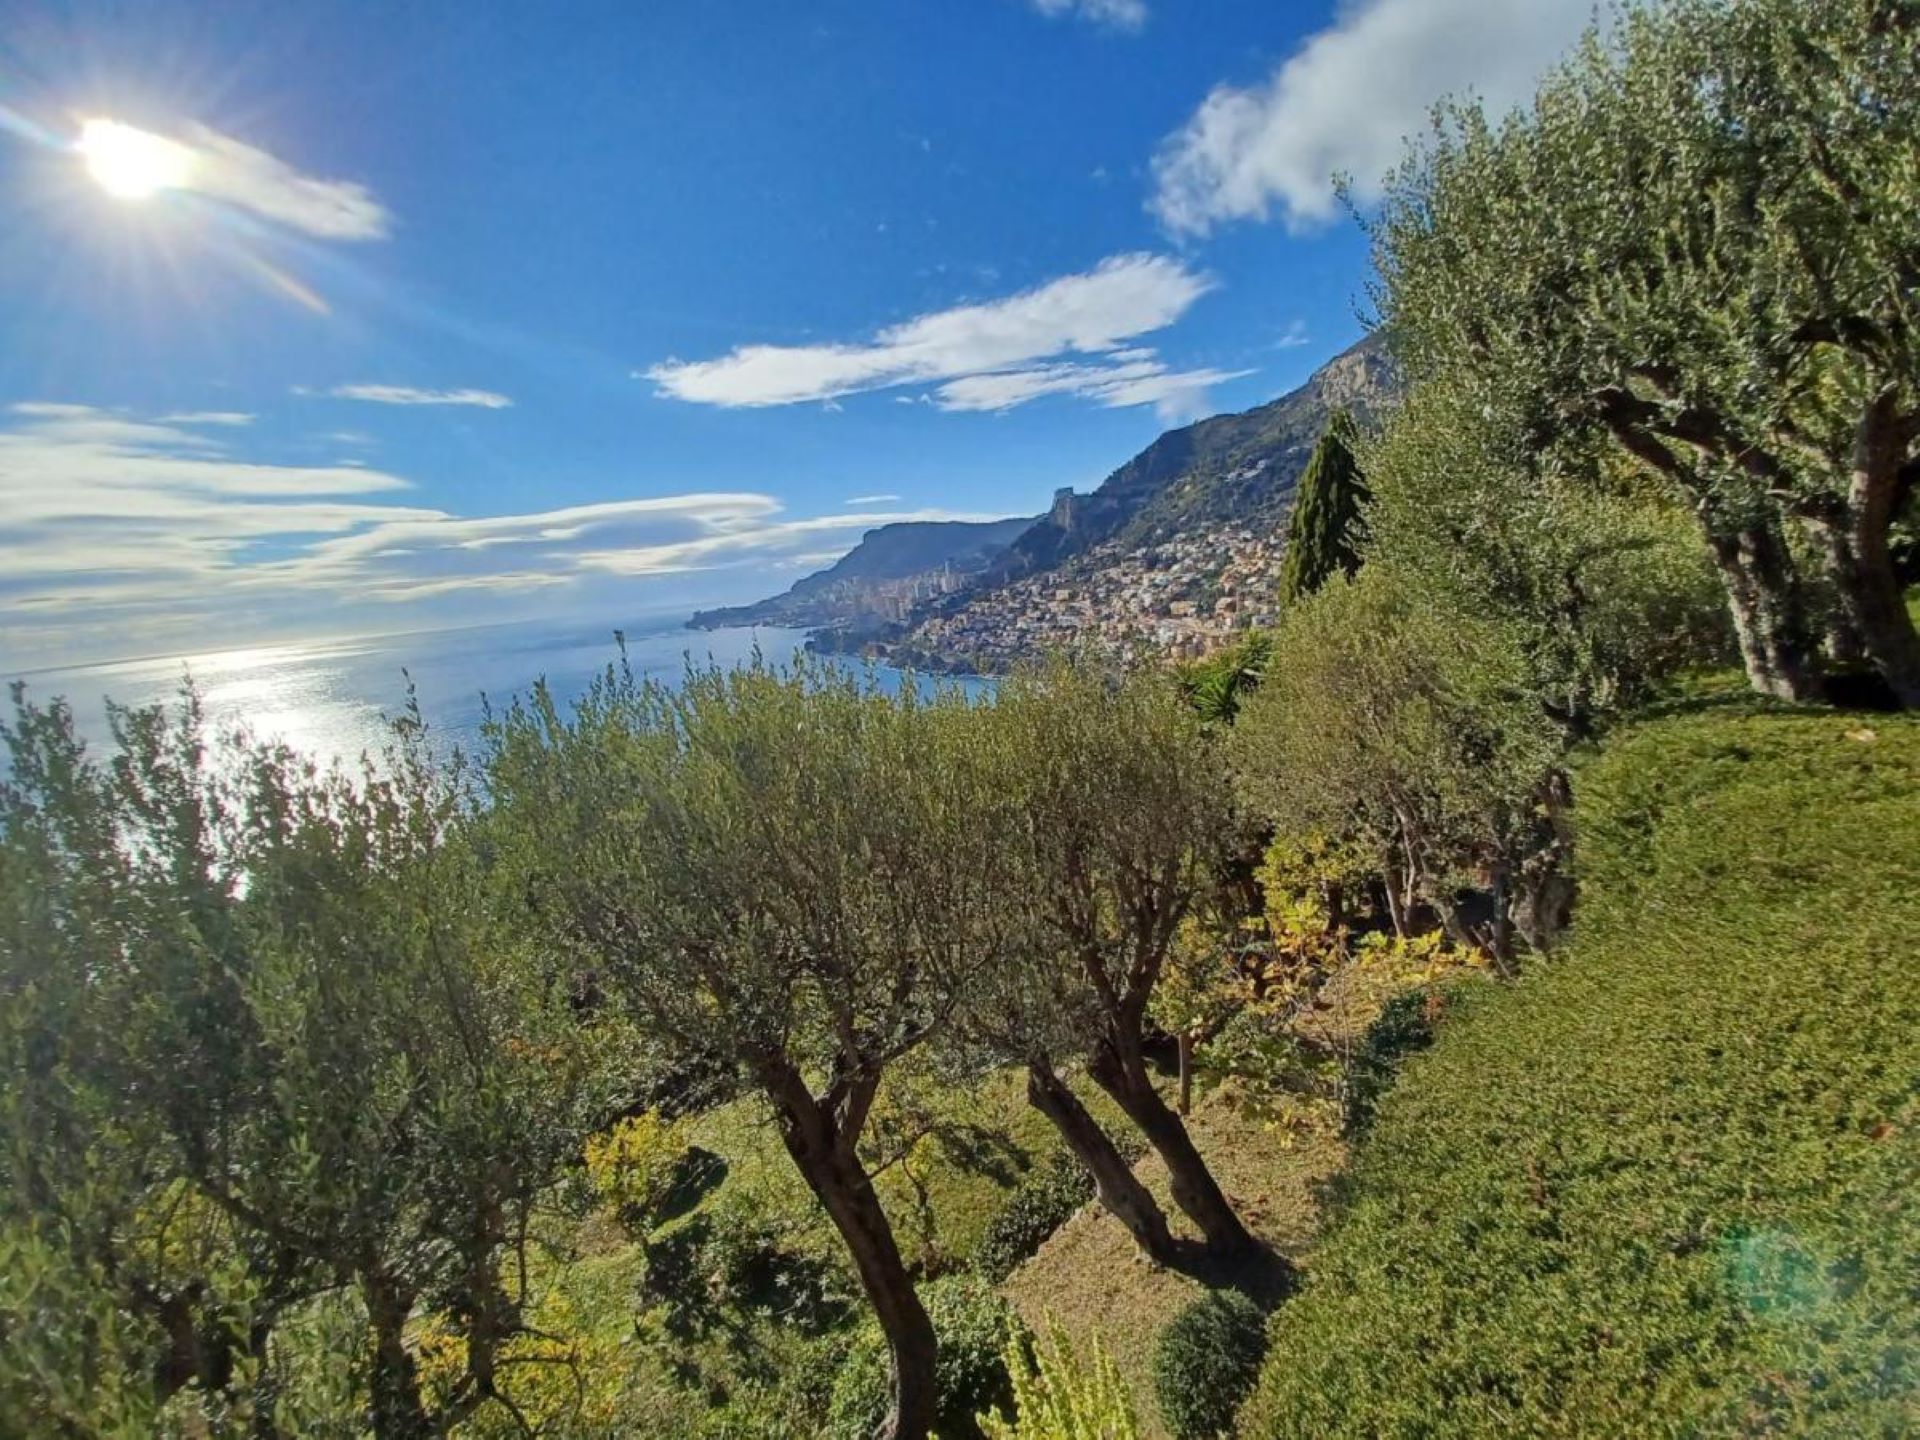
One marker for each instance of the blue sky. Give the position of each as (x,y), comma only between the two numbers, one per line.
(441,314)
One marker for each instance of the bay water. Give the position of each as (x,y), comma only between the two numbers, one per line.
(335,699)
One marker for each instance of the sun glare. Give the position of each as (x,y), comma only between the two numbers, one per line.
(132,164)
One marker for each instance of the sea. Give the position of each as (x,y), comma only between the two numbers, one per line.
(336,699)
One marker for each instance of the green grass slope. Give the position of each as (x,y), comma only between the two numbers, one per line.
(1667,1184)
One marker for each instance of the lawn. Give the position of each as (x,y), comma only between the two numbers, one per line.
(1665,1184)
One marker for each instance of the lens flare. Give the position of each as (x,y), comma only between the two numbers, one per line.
(133,164)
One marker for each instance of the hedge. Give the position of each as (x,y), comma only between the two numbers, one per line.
(1666,1184)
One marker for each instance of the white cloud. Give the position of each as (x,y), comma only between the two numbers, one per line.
(1119,14)
(408,395)
(204,161)
(113,520)
(412,536)
(76,460)
(1094,313)
(52,410)
(1140,380)
(869,499)
(756,543)
(208,417)
(238,173)
(1346,102)
(116,526)
(1294,337)
(88,491)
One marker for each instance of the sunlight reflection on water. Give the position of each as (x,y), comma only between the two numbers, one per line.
(334,699)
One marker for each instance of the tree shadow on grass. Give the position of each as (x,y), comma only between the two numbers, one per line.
(982,1151)
(1261,1273)
(697,1176)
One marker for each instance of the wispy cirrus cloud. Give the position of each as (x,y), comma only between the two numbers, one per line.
(208,417)
(985,356)
(412,395)
(770,540)
(63,460)
(417,557)
(52,410)
(119,525)
(249,177)
(1175,394)
(869,499)
(1114,14)
(1346,102)
(99,500)
(203,161)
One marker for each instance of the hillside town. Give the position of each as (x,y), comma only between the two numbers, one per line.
(1179,599)
(1175,552)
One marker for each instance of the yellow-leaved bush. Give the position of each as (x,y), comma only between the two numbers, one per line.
(632,1167)
(1055,1397)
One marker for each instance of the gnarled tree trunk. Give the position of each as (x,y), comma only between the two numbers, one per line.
(1119,1189)
(1185,1041)
(1119,1068)
(398,1413)
(821,1136)
(1844,645)
(1853,537)
(1541,901)
(1768,613)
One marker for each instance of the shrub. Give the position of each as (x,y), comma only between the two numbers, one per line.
(1040,1204)
(975,1329)
(1408,727)
(1663,1185)
(1270,1061)
(1055,1398)
(634,1166)
(1205,1361)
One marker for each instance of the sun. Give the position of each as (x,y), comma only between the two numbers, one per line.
(132,164)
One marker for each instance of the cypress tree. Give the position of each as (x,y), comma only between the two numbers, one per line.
(1326,528)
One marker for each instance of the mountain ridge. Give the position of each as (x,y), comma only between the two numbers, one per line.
(891,568)
(1142,501)
(1227,474)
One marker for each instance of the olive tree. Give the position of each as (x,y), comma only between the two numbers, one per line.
(1118,814)
(323,1031)
(1702,241)
(117,1290)
(1021,1007)
(416,1078)
(1592,577)
(1412,734)
(1594,572)
(777,874)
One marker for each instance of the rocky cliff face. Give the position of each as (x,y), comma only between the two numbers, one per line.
(893,570)
(1359,379)
(1229,470)
(1231,473)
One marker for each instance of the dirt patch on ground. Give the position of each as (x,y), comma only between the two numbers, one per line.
(1090,1280)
